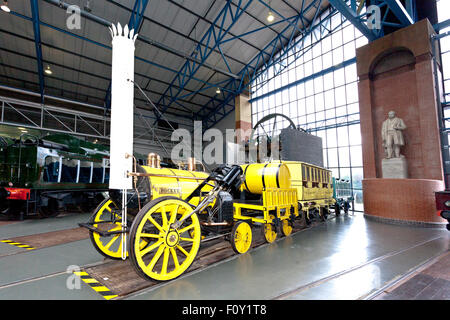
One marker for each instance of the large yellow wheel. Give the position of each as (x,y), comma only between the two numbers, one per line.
(241,237)
(286,227)
(169,252)
(111,246)
(270,231)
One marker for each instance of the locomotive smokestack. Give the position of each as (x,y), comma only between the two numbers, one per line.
(122,97)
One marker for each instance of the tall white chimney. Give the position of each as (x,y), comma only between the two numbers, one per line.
(122,96)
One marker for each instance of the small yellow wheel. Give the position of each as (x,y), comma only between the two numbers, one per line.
(169,252)
(270,231)
(108,246)
(111,246)
(241,237)
(286,227)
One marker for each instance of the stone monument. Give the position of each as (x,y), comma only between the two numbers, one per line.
(394,165)
(397,72)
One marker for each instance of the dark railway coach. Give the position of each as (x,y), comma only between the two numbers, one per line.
(41,176)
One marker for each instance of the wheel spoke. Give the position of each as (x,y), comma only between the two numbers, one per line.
(189,227)
(174,257)
(151,247)
(156,224)
(165,261)
(155,259)
(164,216)
(111,242)
(151,235)
(173,215)
(119,227)
(182,250)
(187,239)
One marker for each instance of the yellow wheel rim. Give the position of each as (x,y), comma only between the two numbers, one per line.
(110,246)
(269,231)
(169,252)
(286,228)
(241,237)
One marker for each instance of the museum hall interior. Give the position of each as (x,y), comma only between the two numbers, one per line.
(225,154)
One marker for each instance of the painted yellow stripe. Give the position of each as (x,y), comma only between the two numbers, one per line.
(100,289)
(96,285)
(90,280)
(17,244)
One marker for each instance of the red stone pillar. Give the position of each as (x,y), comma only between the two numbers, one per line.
(243,115)
(396,73)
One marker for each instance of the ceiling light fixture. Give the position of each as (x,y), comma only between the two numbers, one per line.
(218,90)
(270,17)
(5,7)
(47,70)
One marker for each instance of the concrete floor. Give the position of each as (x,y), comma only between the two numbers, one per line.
(344,258)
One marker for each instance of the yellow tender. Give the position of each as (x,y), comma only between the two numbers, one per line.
(313,184)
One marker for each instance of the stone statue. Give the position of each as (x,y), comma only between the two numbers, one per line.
(392,135)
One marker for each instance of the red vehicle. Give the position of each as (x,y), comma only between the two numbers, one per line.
(443,205)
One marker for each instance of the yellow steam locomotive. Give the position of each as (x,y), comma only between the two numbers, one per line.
(171,211)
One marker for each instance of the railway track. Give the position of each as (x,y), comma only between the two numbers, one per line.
(121,281)
(117,275)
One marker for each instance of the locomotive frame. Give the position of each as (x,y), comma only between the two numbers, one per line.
(165,231)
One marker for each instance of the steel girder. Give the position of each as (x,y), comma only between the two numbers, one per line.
(351,14)
(169,69)
(352,9)
(271,55)
(400,11)
(37,41)
(203,50)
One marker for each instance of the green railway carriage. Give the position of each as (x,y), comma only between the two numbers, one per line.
(43,175)
(343,194)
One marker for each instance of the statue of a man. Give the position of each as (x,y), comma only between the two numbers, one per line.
(392,135)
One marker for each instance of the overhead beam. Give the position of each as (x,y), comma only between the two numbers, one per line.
(214,35)
(166,27)
(159,66)
(37,43)
(142,38)
(352,16)
(262,60)
(260,63)
(400,12)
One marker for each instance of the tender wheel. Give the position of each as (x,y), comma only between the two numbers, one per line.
(337,209)
(111,246)
(241,237)
(269,231)
(323,214)
(286,227)
(308,217)
(169,252)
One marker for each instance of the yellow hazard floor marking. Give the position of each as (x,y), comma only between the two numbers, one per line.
(18,244)
(95,285)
